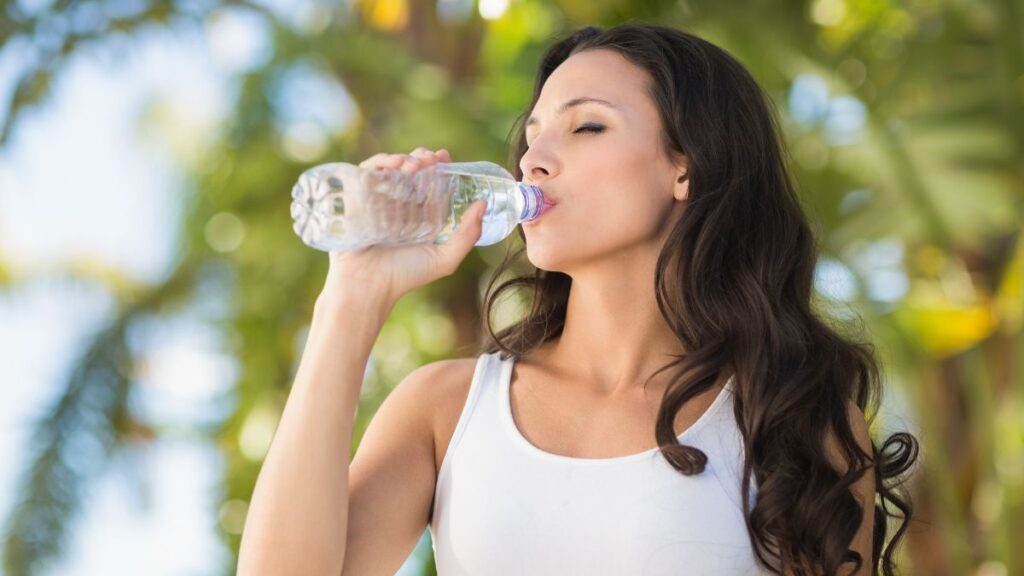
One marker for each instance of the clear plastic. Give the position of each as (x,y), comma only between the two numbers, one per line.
(340,207)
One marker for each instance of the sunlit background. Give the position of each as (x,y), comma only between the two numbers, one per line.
(154,300)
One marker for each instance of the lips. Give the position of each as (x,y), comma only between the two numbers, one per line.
(546,206)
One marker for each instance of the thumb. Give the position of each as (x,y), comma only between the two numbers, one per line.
(470,227)
(451,253)
(471,224)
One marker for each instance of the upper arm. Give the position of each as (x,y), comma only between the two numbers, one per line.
(392,475)
(863,489)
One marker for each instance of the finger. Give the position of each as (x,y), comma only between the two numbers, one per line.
(454,251)
(386,162)
(372,160)
(397,160)
(425,156)
(411,164)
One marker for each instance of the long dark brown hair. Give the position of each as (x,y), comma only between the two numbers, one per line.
(734,282)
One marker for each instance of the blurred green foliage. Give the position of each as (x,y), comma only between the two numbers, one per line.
(913,173)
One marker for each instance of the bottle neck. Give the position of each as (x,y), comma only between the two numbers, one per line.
(533,201)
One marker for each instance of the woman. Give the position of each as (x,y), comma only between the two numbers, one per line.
(670,404)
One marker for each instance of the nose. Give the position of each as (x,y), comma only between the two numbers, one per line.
(537,166)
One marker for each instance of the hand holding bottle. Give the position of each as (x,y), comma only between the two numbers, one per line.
(390,272)
(399,199)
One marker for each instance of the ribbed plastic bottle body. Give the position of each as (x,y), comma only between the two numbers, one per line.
(339,207)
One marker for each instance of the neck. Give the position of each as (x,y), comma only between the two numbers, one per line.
(614,336)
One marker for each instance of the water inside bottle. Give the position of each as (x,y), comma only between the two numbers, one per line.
(505,202)
(339,206)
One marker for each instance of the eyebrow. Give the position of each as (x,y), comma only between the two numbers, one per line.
(574,102)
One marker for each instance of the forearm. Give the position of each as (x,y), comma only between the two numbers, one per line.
(298,516)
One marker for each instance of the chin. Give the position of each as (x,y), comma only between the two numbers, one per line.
(542,258)
(549,256)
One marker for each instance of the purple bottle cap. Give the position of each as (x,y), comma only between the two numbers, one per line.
(533,201)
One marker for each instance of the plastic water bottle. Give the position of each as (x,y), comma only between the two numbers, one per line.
(339,206)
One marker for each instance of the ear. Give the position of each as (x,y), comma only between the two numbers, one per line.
(681,186)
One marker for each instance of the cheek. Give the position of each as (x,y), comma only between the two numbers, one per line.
(608,219)
(624,200)
(613,202)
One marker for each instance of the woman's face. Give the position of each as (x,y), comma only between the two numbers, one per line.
(603,164)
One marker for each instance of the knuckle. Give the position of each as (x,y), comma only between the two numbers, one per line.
(372,160)
(383,160)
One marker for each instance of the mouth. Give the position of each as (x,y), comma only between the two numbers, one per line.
(548,206)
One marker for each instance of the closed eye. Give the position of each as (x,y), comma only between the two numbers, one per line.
(592,128)
(595,128)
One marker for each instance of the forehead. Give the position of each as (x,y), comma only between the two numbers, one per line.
(592,74)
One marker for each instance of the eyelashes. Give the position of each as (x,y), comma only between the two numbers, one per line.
(585,128)
(594,128)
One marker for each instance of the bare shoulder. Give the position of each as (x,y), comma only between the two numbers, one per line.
(443,387)
(432,395)
(439,381)
(438,370)
(439,391)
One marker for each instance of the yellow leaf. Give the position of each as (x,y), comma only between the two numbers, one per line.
(944,328)
(389,15)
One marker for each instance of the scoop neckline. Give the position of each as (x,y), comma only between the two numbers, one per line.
(521,440)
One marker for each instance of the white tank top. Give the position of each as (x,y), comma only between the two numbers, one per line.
(505,507)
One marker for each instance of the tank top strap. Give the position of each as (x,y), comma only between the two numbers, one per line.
(483,390)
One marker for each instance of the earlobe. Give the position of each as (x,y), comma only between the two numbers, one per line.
(682,191)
